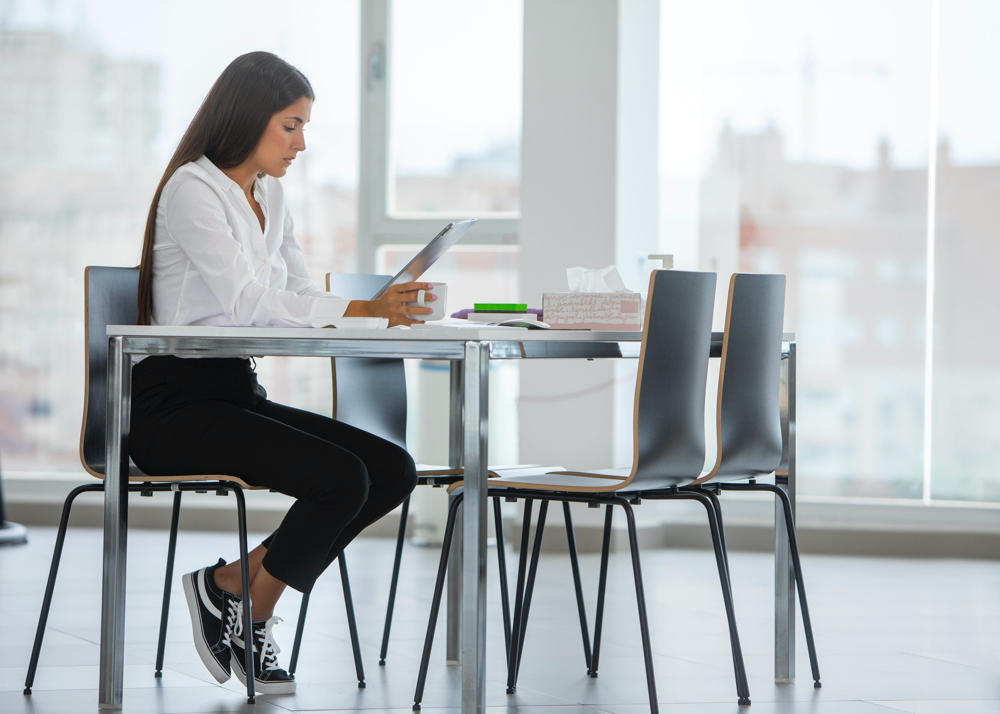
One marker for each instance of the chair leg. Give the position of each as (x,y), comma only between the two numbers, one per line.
(241,514)
(647,650)
(167,580)
(515,630)
(502,566)
(601,588)
(742,684)
(717,505)
(530,586)
(793,544)
(43,616)
(425,658)
(575,564)
(297,644)
(352,624)
(400,537)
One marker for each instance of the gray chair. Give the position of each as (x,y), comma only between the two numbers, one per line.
(110,299)
(748,420)
(668,451)
(370,394)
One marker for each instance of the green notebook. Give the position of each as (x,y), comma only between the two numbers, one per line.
(501,307)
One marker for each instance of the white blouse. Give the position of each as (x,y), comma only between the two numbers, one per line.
(213,265)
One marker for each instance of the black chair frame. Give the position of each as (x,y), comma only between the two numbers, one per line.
(527,570)
(221,488)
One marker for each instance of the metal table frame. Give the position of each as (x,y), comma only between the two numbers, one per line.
(470,351)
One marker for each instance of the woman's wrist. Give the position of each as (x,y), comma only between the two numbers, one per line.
(359,308)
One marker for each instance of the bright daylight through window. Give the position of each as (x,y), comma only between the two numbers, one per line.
(795,138)
(112,88)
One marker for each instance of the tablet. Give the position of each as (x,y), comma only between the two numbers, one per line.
(444,240)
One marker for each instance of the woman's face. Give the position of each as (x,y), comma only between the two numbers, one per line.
(283,138)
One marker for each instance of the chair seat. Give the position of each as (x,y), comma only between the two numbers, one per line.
(445,476)
(137,476)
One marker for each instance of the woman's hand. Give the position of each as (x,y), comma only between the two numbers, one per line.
(391,304)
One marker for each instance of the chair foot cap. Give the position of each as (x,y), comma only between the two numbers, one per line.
(744,701)
(510,690)
(27,691)
(593,675)
(817,684)
(381,663)
(361,684)
(416,707)
(158,674)
(251,700)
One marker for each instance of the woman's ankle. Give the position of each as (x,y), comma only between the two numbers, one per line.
(225,581)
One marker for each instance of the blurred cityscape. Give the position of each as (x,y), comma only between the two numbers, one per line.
(76,134)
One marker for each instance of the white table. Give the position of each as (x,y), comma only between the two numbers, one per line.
(470,350)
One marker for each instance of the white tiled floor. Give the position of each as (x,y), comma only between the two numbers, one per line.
(920,636)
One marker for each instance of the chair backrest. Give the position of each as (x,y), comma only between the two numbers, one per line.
(669,416)
(110,297)
(369,393)
(748,418)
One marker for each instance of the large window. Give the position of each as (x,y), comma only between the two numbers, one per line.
(94,95)
(965,382)
(440,121)
(455,119)
(800,138)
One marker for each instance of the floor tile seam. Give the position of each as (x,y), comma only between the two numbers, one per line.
(948,661)
(70,634)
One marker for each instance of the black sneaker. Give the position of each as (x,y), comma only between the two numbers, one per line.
(214,614)
(269,678)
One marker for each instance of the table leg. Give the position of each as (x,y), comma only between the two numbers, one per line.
(112,658)
(477,357)
(784,574)
(456,435)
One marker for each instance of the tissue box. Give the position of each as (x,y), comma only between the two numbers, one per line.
(594,311)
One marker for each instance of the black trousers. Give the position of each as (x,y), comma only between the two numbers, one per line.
(210,416)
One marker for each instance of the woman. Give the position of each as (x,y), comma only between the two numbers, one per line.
(219,250)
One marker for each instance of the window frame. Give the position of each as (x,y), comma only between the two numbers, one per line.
(377,226)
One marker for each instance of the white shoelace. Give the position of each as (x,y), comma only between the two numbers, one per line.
(234,621)
(270,649)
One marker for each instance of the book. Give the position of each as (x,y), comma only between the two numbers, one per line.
(479,316)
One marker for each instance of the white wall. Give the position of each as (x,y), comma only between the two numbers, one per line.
(588,196)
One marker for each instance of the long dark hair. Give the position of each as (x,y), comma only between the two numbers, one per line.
(226,129)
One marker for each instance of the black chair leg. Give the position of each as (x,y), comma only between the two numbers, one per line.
(425,657)
(793,546)
(297,644)
(793,543)
(43,616)
(742,684)
(530,586)
(647,649)
(400,537)
(502,566)
(738,665)
(167,580)
(352,624)
(601,587)
(515,630)
(575,564)
(241,515)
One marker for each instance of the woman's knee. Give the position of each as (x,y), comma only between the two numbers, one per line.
(345,485)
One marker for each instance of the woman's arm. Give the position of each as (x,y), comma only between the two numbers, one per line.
(196,221)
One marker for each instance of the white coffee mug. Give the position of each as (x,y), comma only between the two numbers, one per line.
(440,291)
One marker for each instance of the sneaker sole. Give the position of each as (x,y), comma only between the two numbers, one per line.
(204,651)
(264,687)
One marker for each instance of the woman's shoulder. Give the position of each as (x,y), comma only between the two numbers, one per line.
(191,180)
